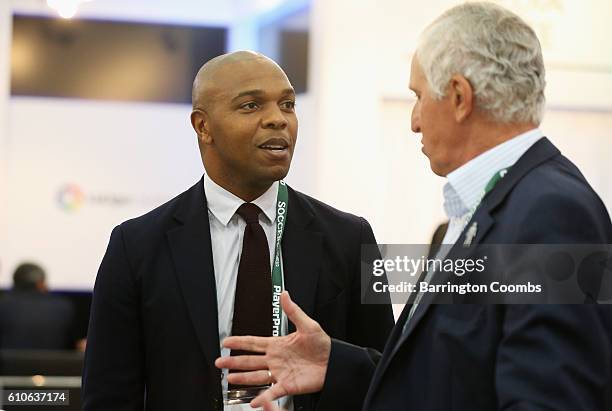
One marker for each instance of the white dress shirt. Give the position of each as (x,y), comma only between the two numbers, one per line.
(226,234)
(465,187)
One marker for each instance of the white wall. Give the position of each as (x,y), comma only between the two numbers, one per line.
(344,73)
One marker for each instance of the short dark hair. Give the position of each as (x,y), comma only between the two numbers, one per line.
(27,276)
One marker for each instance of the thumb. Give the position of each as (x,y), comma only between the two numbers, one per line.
(295,313)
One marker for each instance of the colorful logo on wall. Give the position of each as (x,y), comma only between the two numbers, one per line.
(70,197)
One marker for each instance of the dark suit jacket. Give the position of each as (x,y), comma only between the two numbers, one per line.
(153,334)
(35,321)
(498,357)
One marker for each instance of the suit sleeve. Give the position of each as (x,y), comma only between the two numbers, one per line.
(348,376)
(113,374)
(370,320)
(557,356)
(351,365)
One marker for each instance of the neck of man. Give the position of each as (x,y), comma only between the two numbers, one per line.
(246,192)
(482,136)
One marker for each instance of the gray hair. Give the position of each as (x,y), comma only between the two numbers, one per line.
(496,51)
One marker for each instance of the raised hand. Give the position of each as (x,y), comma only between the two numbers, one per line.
(295,364)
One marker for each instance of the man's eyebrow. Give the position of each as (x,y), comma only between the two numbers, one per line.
(288,91)
(259,92)
(248,93)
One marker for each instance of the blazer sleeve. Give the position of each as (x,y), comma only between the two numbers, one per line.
(348,376)
(370,318)
(557,356)
(351,366)
(113,373)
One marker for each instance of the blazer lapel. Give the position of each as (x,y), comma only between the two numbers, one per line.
(458,251)
(302,249)
(190,246)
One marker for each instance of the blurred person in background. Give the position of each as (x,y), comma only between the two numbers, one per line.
(31,317)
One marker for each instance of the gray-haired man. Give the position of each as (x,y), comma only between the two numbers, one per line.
(478,75)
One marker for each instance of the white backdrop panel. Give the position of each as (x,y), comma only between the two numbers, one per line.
(124,159)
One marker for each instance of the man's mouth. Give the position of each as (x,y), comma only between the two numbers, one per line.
(272,147)
(275,144)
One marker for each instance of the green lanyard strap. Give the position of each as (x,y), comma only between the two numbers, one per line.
(493,181)
(490,185)
(277,268)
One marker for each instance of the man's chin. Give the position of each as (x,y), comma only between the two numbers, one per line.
(274,173)
(438,169)
(280,171)
(435,167)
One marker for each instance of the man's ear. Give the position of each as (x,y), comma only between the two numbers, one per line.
(462,97)
(199,122)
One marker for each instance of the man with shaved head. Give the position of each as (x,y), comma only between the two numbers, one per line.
(212,262)
(244,116)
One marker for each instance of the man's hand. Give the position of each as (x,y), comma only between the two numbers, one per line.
(296,363)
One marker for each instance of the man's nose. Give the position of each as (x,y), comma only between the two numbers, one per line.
(415,121)
(274,118)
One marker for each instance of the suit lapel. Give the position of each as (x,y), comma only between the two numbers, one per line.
(302,249)
(192,256)
(484,218)
(458,251)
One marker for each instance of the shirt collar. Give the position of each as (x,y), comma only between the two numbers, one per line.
(223,204)
(453,205)
(465,185)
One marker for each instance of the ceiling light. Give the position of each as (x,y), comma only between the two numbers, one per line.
(66,8)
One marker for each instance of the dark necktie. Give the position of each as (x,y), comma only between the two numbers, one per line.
(253,301)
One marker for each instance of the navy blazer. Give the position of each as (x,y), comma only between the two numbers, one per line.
(497,357)
(153,333)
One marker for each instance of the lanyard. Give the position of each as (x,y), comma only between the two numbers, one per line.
(490,185)
(277,268)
